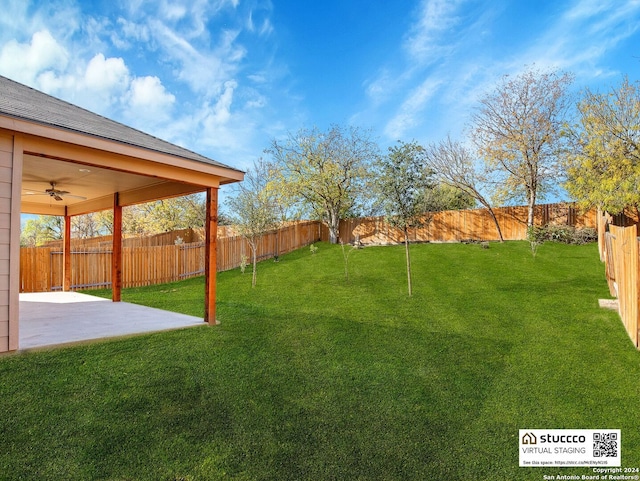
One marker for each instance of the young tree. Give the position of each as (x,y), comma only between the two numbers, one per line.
(402,182)
(603,168)
(326,171)
(254,209)
(455,165)
(518,131)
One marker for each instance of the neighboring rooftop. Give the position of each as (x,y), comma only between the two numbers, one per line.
(23,102)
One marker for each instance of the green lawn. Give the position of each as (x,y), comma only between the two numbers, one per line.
(311,377)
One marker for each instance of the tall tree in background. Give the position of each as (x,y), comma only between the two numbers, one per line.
(40,230)
(327,171)
(165,215)
(518,130)
(603,167)
(455,165)
(93,224)
(402,182)
(254,209)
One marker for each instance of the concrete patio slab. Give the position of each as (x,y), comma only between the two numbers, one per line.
(56,318)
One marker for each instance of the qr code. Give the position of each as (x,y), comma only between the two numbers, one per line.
(605,445)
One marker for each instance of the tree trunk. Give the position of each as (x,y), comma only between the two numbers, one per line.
(531,207)
(495,220)
(406,249)
(333,236)
(334,227)
(254,277)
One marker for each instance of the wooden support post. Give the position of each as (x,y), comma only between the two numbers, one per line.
(210,256)
(116,257)
(66,253)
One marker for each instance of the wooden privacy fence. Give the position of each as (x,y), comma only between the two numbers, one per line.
(621,256)
(41,267)
(159,259)
(181,236)
(459,225)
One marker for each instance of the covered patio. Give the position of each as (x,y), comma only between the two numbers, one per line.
(59,159)
(50,319)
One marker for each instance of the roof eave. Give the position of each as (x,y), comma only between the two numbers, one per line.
(225,173)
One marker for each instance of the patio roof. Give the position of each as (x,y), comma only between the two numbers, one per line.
(23,102)
(59,159)
(90,157)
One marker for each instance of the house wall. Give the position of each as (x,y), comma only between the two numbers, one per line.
(9,230)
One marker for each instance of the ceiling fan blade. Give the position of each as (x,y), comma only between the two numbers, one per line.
(79,197)
(54,193)
(35,192)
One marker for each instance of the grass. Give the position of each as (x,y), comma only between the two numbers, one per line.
(313,377)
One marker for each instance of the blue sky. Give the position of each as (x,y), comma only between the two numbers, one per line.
(224,77)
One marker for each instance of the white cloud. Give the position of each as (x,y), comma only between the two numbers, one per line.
(221,112)
(436,35)
(384,86)
(136,65)
(20,19)
(257,102)
(148,103)
(173,11)
(132,32)
(586,9)
(187,18)
(435,19)
(148,91)
(258,21)
(25,61)
(412,109)
(106,74)
(583,35)
(205,71)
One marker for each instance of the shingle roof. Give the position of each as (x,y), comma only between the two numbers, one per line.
(23,102)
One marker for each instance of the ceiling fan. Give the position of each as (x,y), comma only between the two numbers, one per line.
(56,194)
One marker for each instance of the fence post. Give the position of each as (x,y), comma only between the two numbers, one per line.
(66,253)
(210,255)
(116,260)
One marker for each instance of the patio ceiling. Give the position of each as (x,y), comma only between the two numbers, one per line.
(89,187)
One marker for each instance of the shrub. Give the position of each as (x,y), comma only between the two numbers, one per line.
(244,262)
(562,233)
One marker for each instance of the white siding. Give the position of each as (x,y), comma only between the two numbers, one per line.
(6,174)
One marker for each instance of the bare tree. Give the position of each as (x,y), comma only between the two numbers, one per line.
(456,166)
(254,209)
(518,131)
